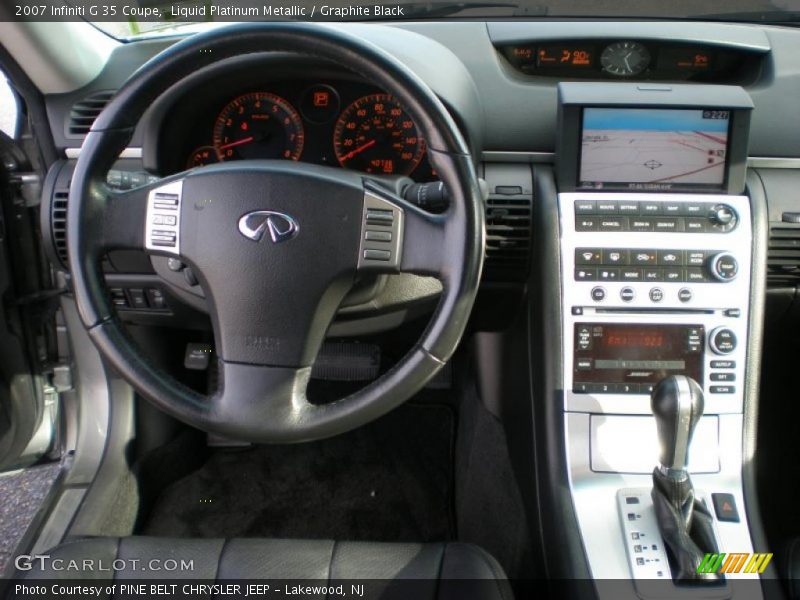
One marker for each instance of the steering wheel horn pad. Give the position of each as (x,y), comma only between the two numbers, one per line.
(276,246)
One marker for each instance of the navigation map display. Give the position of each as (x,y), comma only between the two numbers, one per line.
(645,148)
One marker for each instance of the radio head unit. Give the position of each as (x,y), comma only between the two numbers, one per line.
(639,137)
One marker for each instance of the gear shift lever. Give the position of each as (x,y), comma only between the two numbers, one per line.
(677,404)
(685,523)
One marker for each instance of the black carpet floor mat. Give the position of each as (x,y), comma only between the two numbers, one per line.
(391,480)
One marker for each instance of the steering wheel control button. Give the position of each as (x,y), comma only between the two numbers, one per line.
(380,217)
(685,295)
(722,341)
(723,218)
(724,266)
(598,294)
(627,294)
(162,224)
(656,294)
(378,236)
(197,356)
(381,233)
(378,255)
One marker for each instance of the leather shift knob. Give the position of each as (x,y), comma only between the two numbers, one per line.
(677,404)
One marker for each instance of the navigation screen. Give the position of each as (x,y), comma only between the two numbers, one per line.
(645,148)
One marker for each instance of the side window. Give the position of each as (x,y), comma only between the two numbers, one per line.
(8,108)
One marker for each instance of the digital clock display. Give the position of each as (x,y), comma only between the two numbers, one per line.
(564,56)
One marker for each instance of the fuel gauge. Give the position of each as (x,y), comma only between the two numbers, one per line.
(202,156)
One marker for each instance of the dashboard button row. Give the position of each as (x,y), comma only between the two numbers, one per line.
(643,257)
(646,208)
(660,275)
(640,224)
(612,388)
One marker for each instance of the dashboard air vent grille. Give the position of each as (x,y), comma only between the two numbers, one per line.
(84,113)
(58,223)
(783,256)
(508,236)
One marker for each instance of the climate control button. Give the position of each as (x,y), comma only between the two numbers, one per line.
(722,341)
(724,266)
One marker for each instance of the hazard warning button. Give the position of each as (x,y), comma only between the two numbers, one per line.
(725,507)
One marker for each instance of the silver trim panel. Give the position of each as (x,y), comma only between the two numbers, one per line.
(126,153)
(758,162)
(162,228)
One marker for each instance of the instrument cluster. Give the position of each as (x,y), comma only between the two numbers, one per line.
(340,123)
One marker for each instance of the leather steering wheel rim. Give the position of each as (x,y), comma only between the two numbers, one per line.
(263,402)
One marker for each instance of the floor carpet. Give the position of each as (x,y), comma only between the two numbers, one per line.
(389,481)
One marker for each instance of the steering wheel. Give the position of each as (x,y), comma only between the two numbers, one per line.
(276,245)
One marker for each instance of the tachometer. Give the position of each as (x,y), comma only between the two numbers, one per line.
(375,134)
(258,125)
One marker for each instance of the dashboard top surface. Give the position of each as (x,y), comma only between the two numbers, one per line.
(501,108)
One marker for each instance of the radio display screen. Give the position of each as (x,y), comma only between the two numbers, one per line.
(634,357)
(653,148)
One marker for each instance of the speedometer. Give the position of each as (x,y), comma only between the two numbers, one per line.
(376,135)
(258,125)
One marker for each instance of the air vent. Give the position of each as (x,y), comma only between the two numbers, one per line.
(84,113)
(508,237)
(58,224)
(783,257)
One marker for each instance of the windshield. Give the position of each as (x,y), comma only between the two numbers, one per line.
(133,18)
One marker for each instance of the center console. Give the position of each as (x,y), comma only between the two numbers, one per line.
(656,243)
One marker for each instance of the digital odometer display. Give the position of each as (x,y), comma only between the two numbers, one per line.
(653,148)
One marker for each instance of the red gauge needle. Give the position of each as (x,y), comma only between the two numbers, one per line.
(241,142)
(359,150)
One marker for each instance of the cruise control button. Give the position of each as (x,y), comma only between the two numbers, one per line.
(684,294)
(627,294)
(598,294)
(656,294)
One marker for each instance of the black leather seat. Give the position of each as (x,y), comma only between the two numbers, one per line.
(435,571)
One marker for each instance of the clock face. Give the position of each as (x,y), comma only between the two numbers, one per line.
(625,59)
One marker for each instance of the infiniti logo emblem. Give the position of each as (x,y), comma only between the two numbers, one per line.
(281,226)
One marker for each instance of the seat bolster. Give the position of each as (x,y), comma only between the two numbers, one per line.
(276,559)
(169,558)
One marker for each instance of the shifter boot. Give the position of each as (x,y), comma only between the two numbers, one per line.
(686,526)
